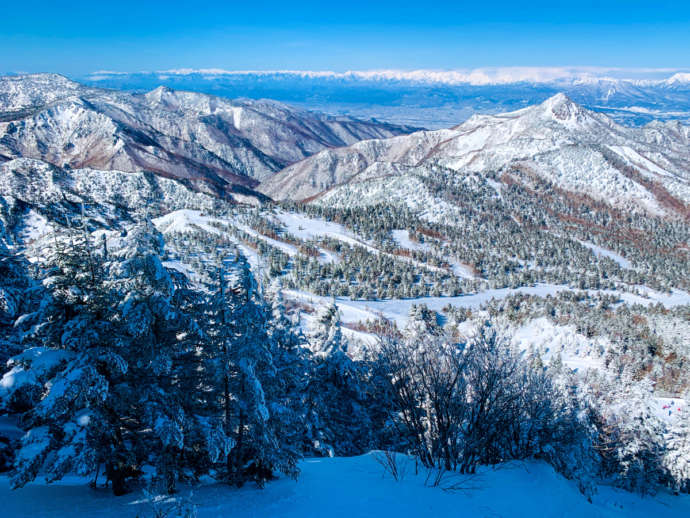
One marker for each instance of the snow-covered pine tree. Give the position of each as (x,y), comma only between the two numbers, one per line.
(285,386)
(63,377)
(338,391)
(194,374)
(253,387)
(156,418)
(249,356)
(422,322)
(17,295)
(635,435)
(103,368)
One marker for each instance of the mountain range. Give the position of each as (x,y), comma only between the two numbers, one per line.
(213,144)
(557,142)
(264,148)
(554,224)
(433,99)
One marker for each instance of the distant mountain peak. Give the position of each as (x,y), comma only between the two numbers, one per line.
(42,77)
(162,94)
(562,108)
(559,141)
(160,91)
(679,78)
(559,99)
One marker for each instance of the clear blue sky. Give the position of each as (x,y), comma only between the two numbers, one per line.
(80,37)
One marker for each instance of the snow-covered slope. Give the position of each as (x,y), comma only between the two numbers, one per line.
(207,140)
(35,195)
(640,169)
(356,487)
(22,93)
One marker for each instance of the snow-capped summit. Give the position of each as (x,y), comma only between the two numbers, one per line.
(34,90)
(558,100)
(562,108)
(158,95)
(678,79)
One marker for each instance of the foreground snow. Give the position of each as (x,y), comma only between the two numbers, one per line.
(358,486)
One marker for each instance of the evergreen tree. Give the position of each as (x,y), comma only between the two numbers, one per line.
(677,456)
(256,364)
(338,392)
(105,377)
(65,377)
(287,384)
(635,436)
(17,295)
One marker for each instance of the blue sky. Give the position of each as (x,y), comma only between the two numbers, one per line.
(75,38)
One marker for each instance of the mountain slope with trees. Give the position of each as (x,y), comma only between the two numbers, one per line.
(215,144)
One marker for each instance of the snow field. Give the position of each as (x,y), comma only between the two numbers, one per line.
(357,487)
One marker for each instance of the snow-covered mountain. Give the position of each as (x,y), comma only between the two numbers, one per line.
(436,98)
(557,142)
(214,144)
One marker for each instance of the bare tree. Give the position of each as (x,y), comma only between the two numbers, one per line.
(461,405)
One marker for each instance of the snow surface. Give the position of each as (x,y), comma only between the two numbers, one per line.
(576,350)
(636,159)
(357,487)
(402,237)
(307,228)
(649,296)
(35,226)
(280,245)
(603,252)
(184,220)
(398,310)
(671,409)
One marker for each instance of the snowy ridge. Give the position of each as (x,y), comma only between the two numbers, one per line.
(211,142)
(559,141)
(477,76)
(437,98)
(41,184)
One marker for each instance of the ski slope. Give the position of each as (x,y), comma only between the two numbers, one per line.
(398,310)
(603,252)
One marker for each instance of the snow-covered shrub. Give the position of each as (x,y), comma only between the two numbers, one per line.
(461,405)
